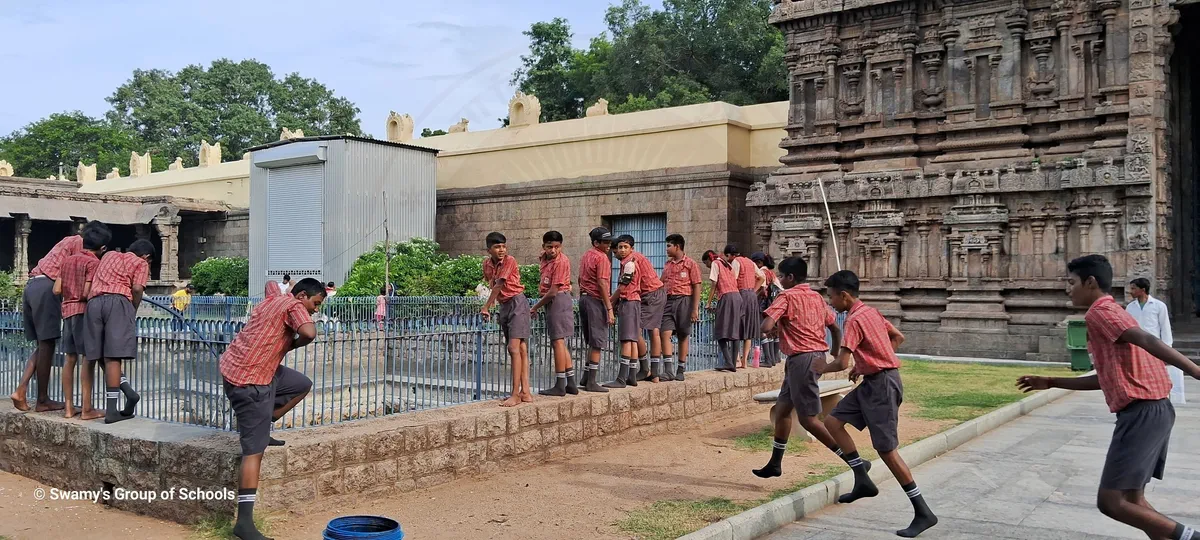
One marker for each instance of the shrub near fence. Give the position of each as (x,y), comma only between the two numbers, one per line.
(428,352)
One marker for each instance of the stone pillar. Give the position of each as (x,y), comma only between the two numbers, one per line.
(1085,234)
(923,250)
(1038,228)
(1110,222)
(893,254)
(21,248)
(1060,231)
(168,233)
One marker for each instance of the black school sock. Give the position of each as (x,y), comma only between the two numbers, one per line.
(668,369)
(131,397)
(679,372)
(774,467)
(924,518)
(244,526)
(863,486)
(632,378)
(622,375)
(1185,532)
(572,386)
(591,379)
(560,386)
(112,395)
(655,368)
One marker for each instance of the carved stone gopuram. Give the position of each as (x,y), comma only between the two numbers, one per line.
(967,151)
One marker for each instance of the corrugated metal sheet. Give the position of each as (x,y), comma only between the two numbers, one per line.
(357,172)
(649,232)
(294,215)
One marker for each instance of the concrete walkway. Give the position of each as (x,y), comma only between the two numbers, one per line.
(1034,478)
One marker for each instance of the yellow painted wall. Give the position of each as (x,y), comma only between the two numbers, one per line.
(694,135)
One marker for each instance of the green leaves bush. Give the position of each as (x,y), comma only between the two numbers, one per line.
(225,275)
(418,269)
(9,291)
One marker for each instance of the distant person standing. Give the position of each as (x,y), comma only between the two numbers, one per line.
(330,289)
(286,285)
(1151,314)
(183,298)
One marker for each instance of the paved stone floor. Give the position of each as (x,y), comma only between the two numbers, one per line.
(1034,478)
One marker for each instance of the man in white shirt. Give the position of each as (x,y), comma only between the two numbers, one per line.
(1151,315)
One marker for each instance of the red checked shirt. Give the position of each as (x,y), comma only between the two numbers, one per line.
(1127,372)
(802,315)
(647,275)
(679,276)
(555,273)
(865,333)
(509,271)
(258,349)
(747,273)
(594,268)
(119,273)
(632,291)
(722,277)
(51,264)
(76,271)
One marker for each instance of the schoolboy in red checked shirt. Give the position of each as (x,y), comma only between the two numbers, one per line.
(110,322)
(503,275)
(1131,373)
(555,288)
(74,284)
(875,403)
(259,388)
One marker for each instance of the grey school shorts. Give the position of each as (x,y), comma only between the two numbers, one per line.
(594,320)
(653,305)
(514,318)
(629,319)
(677,317)
(41,310)
(875,405)
(800,388)
(1138,451)
(254,406)
(560,317)
(73,330)
(109,328)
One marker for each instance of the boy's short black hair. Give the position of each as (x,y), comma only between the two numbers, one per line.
(96,237)
(766,260)
(732,249)
(676,240)
(330,284)
(552,236)
(141,248)
(95,224)
(312,286)
(625,238)
(843,280)
(709,256)
(1141,283)
(494,238)
(795,267)
(1093,266)
(287,277)
(600,234)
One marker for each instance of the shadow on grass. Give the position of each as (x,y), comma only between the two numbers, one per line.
(221,528)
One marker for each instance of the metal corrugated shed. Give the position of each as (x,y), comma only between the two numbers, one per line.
(352,212)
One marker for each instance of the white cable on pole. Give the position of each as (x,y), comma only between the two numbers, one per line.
(829,219)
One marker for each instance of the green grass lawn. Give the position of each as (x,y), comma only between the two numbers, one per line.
(221,528)
(940,391)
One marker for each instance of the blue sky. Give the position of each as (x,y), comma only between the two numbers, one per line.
(437,61)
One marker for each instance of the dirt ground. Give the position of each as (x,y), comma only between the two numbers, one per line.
(581,497)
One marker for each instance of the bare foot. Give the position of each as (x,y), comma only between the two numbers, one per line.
(19,402)
(69,411)
(526,398)
(49,406)
(91,414)
(511,402)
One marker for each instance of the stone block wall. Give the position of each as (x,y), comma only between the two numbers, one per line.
(227,237)
(383,455)
(707,205)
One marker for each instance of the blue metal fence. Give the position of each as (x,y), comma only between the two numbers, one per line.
(424,353)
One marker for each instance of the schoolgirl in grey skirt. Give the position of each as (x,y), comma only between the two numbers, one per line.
(728,327)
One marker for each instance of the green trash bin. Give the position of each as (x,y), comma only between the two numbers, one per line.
(1077,345)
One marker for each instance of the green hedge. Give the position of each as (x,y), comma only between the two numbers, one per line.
(418,269)
(225,275)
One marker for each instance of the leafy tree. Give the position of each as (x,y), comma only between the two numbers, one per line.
(68,138)
(226,275)
(10,292)
(238,104)
(691,51)
(426,132)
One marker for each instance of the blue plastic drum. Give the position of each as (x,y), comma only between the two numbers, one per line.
(358,527)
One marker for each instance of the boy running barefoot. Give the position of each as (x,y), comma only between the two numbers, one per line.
(799,317)
(1131,373)
(74,284)
(259,388)
(875,403)
(110,321)
(555,288)
(682,277)
(503,275)
(629,312)
(595,307)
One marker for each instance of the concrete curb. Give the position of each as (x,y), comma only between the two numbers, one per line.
(982,361)
(775,515)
